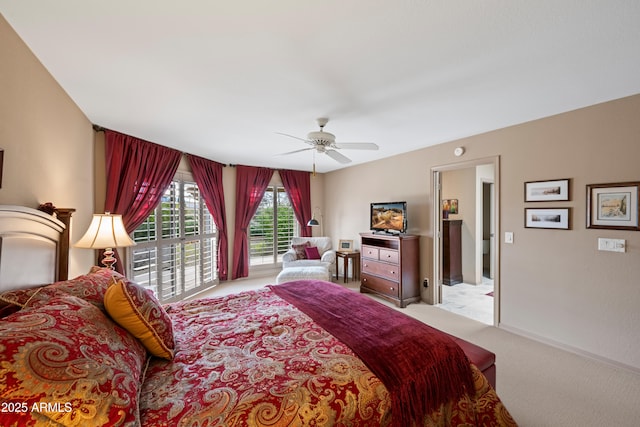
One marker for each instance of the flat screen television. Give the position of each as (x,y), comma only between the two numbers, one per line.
(389,217)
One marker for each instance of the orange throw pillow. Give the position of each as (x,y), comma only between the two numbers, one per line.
(139,312)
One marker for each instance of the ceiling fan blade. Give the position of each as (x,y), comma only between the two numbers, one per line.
(295,137)
(357,145)
(337,156)
(295,151)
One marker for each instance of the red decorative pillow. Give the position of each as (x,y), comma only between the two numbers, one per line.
(301,250)
(138,311)
(312,252)
(12,301)
(90,287)
(66,363)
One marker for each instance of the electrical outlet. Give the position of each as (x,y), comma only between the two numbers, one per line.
(425,282)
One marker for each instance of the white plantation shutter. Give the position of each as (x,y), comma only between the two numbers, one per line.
(176,251)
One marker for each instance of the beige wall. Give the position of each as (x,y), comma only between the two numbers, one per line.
(47,142)
(555,285)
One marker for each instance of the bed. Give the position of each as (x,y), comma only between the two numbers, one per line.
(100,350)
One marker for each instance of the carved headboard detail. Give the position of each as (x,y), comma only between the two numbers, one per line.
(34,246)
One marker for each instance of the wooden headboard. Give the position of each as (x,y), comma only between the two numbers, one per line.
(34,246)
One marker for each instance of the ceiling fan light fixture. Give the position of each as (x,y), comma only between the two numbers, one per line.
(321,137)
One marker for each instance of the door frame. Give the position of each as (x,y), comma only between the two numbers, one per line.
(436,188)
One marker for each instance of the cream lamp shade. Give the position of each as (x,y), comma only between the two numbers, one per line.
(106,231)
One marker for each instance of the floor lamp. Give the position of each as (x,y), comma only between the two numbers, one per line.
(313,222)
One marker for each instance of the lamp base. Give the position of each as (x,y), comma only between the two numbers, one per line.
(108,260)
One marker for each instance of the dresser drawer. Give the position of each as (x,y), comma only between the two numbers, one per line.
(390,271)
(388,256)
(378,284)
(370,252)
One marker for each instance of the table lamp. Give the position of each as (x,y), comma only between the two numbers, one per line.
(106,231)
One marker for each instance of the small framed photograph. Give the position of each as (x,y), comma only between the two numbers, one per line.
(546,191)
(613,206)
(556,218)
(345,246)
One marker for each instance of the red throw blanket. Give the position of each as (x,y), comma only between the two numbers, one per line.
(421,366)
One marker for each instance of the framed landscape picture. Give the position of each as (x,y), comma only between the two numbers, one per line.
(546,191)
(613,206)
(557,218)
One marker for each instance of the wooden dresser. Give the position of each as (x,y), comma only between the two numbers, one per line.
(451,251)
(390,267)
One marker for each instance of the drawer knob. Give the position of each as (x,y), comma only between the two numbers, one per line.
(391,289)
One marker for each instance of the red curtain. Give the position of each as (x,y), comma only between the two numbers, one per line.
(251,182)
(138,173)
(298,187)
(208,176)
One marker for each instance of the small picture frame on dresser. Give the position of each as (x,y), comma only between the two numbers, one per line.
(345,246)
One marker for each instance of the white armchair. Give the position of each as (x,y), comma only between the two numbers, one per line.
(327,254)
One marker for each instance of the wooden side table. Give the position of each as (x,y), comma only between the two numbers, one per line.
(354,256)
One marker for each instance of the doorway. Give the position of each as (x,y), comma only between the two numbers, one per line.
(473,291)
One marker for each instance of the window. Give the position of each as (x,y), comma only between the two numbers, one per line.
(176,251)
(271,228)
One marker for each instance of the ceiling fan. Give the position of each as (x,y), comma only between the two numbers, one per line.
(325,142)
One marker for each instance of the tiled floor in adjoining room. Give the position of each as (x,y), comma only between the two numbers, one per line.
(470,300)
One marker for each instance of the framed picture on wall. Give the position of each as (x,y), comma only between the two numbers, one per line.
(546,191)
(557,218)
(450,205)
(345,246)
(613,206)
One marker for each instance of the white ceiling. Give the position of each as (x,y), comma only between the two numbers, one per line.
(220,78)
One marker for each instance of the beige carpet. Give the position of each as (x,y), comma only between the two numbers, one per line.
(539,384)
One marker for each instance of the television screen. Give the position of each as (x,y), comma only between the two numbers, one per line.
(389,216)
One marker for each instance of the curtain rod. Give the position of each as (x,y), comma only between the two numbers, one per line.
(99,128)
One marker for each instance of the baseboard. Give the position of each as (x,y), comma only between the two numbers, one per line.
(568,348)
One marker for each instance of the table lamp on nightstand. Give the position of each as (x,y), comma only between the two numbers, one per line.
(106,231)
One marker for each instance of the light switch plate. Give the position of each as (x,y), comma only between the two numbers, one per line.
(612,245)
(508,237)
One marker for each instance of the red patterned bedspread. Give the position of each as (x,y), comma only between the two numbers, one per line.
(252,359)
